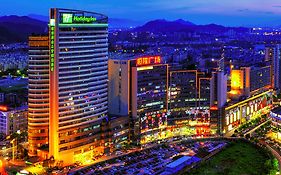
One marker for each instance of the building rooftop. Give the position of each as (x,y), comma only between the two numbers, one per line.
(277,110)
(125,56)
(181,160)
(276,113)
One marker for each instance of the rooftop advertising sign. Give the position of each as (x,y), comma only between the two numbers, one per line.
(148,60)
(69,18)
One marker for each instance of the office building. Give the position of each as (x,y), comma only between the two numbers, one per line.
(138,87)
(190,98)
(272,58)
(220,89)
(249,80)
(260,78)
(238,112)
(76,73)
(13,120)
(183,93)
(118,132)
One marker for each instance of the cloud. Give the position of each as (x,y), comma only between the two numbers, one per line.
(255,12)
(243,10)
(276,6)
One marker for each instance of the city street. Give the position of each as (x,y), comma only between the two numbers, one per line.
(2,167)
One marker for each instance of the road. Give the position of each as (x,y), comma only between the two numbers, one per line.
(255,128)
(2,168)
(274,152)
(10,149)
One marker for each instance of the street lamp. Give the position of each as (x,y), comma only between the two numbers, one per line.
(13,142)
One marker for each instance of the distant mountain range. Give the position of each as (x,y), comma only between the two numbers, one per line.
(184,26)
(18,28)
(161,25)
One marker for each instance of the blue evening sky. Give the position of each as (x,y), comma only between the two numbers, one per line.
(226,12)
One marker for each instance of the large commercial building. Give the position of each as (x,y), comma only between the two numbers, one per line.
(250,96)
(70,89)
(190,99)
(239,112)
(138,87)
(250,80)
(183,94)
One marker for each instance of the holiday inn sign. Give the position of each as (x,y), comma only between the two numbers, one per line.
(69,18)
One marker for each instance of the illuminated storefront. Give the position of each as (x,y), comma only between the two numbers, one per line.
(246,110)
(150,84)
(189,102)
(276,123)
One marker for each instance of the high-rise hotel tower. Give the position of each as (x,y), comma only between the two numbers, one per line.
(68,95)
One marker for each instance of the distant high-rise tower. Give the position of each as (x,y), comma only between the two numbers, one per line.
(272,56)
(77,91)
(221,61)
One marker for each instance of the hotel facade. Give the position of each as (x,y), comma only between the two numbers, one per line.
(68,92)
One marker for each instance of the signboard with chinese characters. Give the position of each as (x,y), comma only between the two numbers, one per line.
(149,60)
(52,44)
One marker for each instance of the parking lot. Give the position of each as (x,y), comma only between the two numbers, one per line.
(151,160)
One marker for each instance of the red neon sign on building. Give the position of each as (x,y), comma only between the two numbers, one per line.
(3,108)
(142,61)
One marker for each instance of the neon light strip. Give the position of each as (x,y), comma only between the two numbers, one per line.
(83,25)
(52,48)
(145,68)
(247,100)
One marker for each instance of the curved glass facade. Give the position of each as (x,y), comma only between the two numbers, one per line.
(82,85)
(69,86)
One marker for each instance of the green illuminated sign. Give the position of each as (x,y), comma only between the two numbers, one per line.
(68,18)
(82,19)
(83,25)
(52,48)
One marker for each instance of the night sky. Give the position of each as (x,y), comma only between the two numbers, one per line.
(226,12)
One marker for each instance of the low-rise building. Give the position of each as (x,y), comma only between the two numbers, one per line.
(13,119)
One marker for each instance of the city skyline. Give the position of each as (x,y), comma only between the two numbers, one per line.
(241,13)
(80,93)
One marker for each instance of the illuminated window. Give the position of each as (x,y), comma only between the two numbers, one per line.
(231,118)
(227,120)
